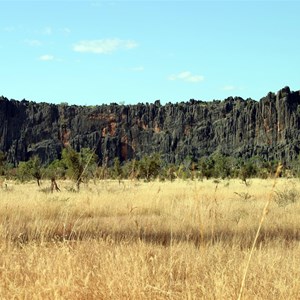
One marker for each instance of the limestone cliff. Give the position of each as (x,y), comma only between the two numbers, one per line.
(242,128)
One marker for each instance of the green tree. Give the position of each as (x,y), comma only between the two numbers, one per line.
(187,168)
(22,171)
(56,169)
(222,166)
(247,170)
(31,168)
(116,170)
(35,166)
(206,167)
(80,165)
(149,166)
(170,172)
(295,167)
(130,169)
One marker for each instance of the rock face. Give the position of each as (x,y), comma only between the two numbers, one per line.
(269,128)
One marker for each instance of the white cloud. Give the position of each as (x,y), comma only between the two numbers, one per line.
(33,43)
(229,88)
(96,4)
(187,76)
(47,30)
(138,69)
(66,30)
(9,29)
(46,57)
(104,46)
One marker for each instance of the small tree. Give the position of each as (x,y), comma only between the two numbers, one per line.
(149,166)
(130,169)
(116,171)
(171,172)
(247,170)
(206,167)
(295,167)
(186,168)
(57,169)
(22,171)
(222,166)
(31,168)
(80,165)
(35,165)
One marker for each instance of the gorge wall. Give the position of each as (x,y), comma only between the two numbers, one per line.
(269,128)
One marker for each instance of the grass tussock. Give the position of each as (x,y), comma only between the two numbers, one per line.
(157,240)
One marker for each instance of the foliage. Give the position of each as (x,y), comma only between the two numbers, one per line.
(222,166)
(22,171)
(130,169)
(80,165)
(247,170)
(56,169)
(116,172)
(149,167)
(102,172)
(30,168)
(206,166)
(170,173)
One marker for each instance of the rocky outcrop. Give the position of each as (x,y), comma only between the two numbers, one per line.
(269,128)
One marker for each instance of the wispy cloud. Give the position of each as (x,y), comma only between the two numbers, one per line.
(9,29)
(46,57)
(187,76)
(96,4)
(33,43)
(47,30)
(105,46)
(66,30)
(229,88)
(138,69)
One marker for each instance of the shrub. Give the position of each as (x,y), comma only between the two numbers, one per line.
(149,166)
(80,165)
(286,197)
(30,168)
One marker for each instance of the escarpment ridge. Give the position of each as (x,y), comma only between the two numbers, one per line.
(269,128)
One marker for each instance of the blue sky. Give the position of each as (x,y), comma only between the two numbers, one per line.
(95,52)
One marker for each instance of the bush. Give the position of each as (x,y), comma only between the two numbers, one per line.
(149,167)
(80,165)
(286,197)
(29,169)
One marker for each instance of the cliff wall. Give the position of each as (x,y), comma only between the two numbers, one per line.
(269,128)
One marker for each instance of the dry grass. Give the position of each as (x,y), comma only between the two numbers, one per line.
(135,240)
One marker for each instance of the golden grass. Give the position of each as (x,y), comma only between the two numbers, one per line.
(157,240)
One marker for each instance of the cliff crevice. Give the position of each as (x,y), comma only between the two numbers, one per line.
(269,128)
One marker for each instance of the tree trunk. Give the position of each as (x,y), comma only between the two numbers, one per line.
(54,185)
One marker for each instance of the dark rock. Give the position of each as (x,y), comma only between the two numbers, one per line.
(269,128)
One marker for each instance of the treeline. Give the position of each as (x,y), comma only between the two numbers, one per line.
(82,166)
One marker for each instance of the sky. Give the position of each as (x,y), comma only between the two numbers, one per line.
(99,52)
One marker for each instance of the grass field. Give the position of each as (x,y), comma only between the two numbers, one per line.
(157,240)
